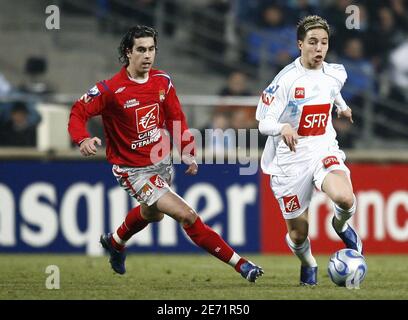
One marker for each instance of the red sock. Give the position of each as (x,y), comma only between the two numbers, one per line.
(206,238)
(133,223)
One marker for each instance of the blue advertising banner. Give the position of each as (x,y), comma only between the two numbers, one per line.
(64,206)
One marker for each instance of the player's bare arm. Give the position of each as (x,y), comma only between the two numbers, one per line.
(290,136)
(88,147)
(348,114)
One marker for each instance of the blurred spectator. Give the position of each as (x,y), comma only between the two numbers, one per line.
(275,41)
(33,116)
(240,116)
(336,16)
(239,119)
(359,70)
(140,12)
(394,115)
(143,12)
(5,86)
(218,134)
(363,32)
(400,12)
(209,30)
(103,15)
(399,73)
(172,16)
(230,118)
(359,84)
(35,73)
(17,130)
(388,33)
(302,8)
(247,11)
(237,86)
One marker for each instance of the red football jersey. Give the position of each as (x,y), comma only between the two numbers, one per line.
(134,116)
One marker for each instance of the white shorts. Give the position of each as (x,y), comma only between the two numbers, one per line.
(294,193)
(146,184)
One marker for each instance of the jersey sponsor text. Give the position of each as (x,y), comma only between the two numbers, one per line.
(313,120)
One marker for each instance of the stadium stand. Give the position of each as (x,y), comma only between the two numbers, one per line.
(200,59)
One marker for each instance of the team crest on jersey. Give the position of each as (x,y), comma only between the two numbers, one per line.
(291,203)
(268,94)
(144,193)
(272,89)
(162,95)
(92,93)
(267,98)
(158,181)
(147,118)
(299,93)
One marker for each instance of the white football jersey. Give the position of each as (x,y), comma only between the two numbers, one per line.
(303,98)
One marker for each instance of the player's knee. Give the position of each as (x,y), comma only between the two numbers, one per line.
(187,217)
(157,217)
(344,201)
(150,214)
(297,236)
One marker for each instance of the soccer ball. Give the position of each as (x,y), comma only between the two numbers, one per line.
(347,268)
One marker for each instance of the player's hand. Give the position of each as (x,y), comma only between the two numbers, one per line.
(88,148)
(348,114)
(290,137)
(192,164)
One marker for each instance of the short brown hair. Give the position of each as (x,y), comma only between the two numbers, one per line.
(309,23)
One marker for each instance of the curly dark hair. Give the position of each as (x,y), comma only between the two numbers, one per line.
(127,42)
(309,23)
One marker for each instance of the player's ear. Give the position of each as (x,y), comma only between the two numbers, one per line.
(300,43)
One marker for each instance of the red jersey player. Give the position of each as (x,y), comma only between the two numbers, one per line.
(139,106)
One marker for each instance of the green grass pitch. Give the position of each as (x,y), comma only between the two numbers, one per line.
(190,277)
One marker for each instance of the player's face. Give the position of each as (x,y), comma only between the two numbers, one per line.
(314,48)
(141,58)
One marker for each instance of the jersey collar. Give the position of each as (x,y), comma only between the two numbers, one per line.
(125,75)
(302,69)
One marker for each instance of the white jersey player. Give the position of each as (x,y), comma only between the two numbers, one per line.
(301,151)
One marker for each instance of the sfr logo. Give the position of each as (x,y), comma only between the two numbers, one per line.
(318,120)
(299,93)
(313,120)
(329,161)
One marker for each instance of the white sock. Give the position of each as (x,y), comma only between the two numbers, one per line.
(118,240)
(302,251)
(341,216)
(234,259)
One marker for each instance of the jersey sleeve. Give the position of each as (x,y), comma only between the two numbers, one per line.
(340,103)
(176,123)
(89,105)
(339,72)
(270,107)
